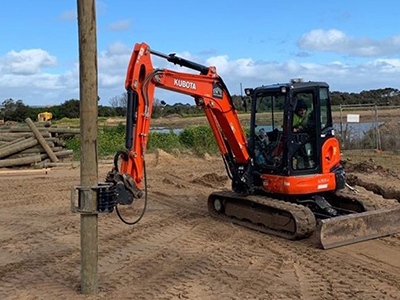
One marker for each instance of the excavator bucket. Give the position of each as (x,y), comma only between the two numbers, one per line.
(358,227)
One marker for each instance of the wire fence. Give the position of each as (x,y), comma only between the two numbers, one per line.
(359,125)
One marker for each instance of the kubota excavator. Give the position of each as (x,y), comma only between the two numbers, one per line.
(284,177)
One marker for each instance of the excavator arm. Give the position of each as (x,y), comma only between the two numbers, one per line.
(209,92)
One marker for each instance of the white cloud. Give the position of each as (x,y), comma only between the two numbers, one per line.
(337,41)
(221,61)
(26,61)
(244,67)
(113,64)
(23,75)
(118,48)
(389,66)
(121,25)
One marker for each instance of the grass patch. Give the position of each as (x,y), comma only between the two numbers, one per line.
(164,141)
(199,139)
(111,139)
(74,122)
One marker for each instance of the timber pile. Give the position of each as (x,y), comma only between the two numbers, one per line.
(36,145)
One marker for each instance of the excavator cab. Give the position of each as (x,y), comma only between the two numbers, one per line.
(285,144)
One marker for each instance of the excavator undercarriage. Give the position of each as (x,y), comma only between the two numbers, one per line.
(356,218)
(268,215)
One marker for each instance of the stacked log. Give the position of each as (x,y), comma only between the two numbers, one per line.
(34,145)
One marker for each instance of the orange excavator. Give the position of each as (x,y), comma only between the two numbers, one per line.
(285,176)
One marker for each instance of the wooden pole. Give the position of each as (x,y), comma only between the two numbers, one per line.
(88,126)
(61,154)
(23,172)
(17,147)
(65,130)
(16,135)
(41,140)
(7,144)
(19,161)
(7,138)
(28,129)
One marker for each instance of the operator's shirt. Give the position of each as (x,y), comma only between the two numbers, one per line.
(298,121)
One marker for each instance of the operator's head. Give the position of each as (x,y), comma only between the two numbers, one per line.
(301,108)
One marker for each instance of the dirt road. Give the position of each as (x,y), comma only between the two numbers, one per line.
(177,251)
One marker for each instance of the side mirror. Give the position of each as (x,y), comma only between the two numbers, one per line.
(249,92)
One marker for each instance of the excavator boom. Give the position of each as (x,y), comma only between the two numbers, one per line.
(209,93)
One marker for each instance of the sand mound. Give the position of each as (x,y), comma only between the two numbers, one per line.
(163,157)
(211,180)
(367,167)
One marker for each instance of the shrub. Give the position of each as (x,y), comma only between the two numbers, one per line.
(75,145)
(200,139)
(118,129)
(164,141)
(110,142)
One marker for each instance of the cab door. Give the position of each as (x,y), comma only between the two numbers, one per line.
(304,139)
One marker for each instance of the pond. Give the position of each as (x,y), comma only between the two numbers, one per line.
(356,130)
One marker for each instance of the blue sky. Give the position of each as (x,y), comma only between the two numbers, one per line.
(352,45)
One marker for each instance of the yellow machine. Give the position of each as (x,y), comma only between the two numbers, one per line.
(44,116)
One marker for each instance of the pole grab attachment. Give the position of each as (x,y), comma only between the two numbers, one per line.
(105,198)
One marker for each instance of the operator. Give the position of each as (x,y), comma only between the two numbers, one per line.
(300,117)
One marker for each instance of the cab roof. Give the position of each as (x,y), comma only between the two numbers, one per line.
(291,86)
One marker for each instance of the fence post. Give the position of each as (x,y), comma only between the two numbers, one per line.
(377,133)
(341,126)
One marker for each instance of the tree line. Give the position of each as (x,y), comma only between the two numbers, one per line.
(11,110)
(386,96)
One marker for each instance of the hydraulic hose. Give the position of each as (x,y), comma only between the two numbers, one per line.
(145,201)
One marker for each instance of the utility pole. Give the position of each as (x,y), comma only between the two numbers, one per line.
(88,123)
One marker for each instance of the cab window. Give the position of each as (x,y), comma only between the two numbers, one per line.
(304,129)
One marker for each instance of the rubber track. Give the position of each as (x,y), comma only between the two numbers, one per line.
(302,216)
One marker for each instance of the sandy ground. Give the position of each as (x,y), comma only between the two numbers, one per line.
(177,251)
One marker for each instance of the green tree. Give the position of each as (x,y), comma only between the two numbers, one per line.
(68,109)
(14,111)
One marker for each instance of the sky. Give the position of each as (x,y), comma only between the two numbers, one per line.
(351,45)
